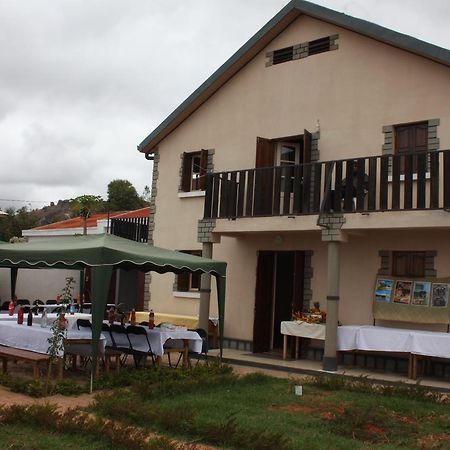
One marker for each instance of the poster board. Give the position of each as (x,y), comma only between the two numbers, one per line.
(412,300)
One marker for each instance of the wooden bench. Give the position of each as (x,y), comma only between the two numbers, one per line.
(16,354)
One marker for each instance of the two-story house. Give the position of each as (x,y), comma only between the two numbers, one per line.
(313,162)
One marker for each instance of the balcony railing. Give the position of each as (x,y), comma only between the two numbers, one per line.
(409,181)
(134,228)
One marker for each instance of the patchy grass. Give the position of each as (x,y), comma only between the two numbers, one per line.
(259,412)
(212,405)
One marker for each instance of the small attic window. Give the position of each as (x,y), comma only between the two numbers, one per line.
(319,46)
(283,55)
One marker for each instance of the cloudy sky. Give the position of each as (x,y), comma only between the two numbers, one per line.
(83,82)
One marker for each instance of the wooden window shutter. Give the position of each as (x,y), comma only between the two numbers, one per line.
(307,146)
(418,264)
(265,152)
(183,281)
(203,167)
(186,172)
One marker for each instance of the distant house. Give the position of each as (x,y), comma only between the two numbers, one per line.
(126,287)
(323,135)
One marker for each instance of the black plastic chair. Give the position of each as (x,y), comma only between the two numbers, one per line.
(139,343)
(23,301)
(5,305)
(36,304)
(107,333)
(84,323)
(50,302)
(203,354)
(120,340)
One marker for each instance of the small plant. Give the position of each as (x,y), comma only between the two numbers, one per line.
(67,291)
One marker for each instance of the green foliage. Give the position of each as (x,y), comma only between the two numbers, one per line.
(46,418)
(84,206)
(67,290)
(364,385)
(37,389)
(16,221)
(122,196)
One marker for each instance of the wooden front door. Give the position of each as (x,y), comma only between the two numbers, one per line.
(279,291)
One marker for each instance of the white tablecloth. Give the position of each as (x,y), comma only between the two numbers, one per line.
(379,339)
(158,338)
(427,343)
(303,329)
(71,319)
(34,338)
(346,336)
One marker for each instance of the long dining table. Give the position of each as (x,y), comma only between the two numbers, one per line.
(413,343)
(179,339)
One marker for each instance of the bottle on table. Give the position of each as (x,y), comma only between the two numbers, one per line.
(58,299)
(151,320)
(20,315)
(44,319)
(111,315)
(30,318)
(133,317)
(11,307)
(72,309)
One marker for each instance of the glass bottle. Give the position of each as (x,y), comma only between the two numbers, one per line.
(151,320)
(44,319)
(133,317)
(30,318)
(20,315)
(11,307)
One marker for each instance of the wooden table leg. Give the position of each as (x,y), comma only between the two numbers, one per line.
(158,361)
(297,346)
(117,357)
(185,353)
(285,338)
(36,371)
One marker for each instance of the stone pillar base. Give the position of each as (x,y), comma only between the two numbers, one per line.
(329,364)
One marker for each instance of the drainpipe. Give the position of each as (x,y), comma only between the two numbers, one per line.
(205,290)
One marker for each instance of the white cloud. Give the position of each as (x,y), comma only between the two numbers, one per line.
(82,83)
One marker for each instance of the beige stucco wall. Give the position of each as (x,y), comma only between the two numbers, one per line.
(352,92)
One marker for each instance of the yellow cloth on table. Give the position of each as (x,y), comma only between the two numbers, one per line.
(190,322)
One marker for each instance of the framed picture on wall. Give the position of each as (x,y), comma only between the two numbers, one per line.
(402,292)
(439,295)
(421,293)
(383,290)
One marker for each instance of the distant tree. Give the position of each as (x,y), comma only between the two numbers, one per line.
(122,196)
(16,221)
(84,206)
(146,195)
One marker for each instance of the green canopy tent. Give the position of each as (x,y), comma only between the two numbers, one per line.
(106,252)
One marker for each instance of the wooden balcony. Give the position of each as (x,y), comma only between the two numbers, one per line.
(416,181)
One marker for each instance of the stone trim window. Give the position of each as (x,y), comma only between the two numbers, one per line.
(407,263)
(302,50)
(187,281)
(392,133)
(193,170)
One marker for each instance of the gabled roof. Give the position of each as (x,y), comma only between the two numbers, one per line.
(77,222)
(265,35)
